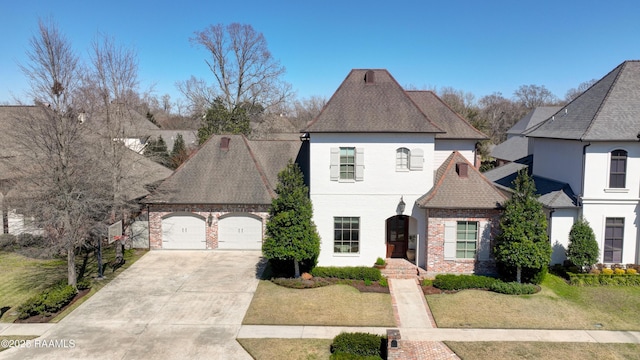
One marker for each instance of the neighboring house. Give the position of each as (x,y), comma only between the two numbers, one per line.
(220,197)
(374,150)
(190,137)
(126,125)
(517,145)
(591,147)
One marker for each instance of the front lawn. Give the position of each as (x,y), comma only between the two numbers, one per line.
(557,306)
(291,349)
(542,350)
(334,305)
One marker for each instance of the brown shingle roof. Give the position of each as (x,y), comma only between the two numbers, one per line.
(246,173)
(452,191)
(375,106)
(454,125)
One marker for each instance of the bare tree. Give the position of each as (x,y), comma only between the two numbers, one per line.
(61,184)
(575,92)
(244,70)
(498,114)
(307,109)
(532,96)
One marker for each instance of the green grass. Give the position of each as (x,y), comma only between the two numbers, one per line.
(24,277)
(557,306)
(334,305)
(292,349)
(543,350)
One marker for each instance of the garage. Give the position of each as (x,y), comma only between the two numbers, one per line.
(183,231)
(240,232)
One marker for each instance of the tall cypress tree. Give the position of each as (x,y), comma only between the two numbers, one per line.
(291,233)
(523,242)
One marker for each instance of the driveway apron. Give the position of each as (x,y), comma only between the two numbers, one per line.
(174,304)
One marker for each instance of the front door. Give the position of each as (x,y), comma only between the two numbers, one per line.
(398,235)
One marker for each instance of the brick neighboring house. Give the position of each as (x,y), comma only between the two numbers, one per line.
(220,197)
(463,212)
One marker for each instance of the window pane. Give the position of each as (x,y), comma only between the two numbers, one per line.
(346,234)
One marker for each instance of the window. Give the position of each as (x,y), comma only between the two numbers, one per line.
(347,163)
(402,159)
(618,170)
(613,239)
(466,239)
(346,234)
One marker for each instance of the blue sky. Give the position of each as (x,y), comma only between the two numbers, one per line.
(476,46)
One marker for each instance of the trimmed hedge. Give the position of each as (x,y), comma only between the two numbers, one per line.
(603,279)
(47,302)
(513,288)
(347,272)
(369,346)
(461,282)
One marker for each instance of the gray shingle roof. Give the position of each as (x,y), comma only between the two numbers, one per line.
(454,125)
(533,118)
(246,173)
(553,194)
(379,106)
(452,191)
(607,111)
(512,149)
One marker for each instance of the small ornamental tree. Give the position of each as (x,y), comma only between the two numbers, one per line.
(523,242)
(156,150)
(179,152)
(583,248)
(290,233)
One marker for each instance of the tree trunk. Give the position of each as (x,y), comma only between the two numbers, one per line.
(296,265)
(519,274)
(71,266)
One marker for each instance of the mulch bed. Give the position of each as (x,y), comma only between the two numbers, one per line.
(45,319)
(431,290)
(315,282)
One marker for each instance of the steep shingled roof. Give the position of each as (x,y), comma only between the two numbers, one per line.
(454,125)
(245,173)
(533,118)
(607,111)
(453,191)
(371,101)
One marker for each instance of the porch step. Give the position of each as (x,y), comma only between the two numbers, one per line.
(402,269)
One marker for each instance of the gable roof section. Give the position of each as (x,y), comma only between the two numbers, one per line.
(553,194)
(512,149)
(375,107)
(533,118)
(214,175)
(452,191)
(454,125)
(607,111)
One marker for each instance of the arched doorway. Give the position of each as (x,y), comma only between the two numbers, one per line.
(398,235)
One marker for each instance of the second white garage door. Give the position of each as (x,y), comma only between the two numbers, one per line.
(240,232)
(183,231)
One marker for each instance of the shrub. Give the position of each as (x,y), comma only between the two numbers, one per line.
(84,284)
(360,344)
(513,288)
(583,248)
(352,273)
(47,302)
(632,271)
(300,283)
(618,271)
(606,271)
(383,282)
(29,240)
(460,282)
(7,242)
(427,282)
(594,272)
(598,280)
(380,261)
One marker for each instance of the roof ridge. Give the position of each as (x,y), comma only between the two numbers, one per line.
(604,99)
(458,115)
(263,175)
(434,190)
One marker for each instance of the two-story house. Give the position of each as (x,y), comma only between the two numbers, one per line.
(593,145)
(375,149)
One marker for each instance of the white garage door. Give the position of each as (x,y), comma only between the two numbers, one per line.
(240,232)
(183,232)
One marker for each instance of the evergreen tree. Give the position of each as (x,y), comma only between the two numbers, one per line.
(291,233)
(523,242)
(156,150)
(178,153)
(583,248)
(219,120)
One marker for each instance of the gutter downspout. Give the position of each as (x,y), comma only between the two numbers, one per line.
(584,166)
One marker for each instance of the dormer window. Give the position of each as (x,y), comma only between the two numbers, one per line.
(618,169)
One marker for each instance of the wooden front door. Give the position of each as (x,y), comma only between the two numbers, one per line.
(398,235)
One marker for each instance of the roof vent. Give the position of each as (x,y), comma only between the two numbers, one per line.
(369,77)
(224,143)
(462,169)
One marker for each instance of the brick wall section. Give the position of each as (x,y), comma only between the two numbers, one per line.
(434,256)
(157,212)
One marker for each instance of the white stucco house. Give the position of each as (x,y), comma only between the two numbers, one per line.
(586,162)
(374,150)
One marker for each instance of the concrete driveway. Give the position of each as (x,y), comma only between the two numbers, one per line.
(169,305)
